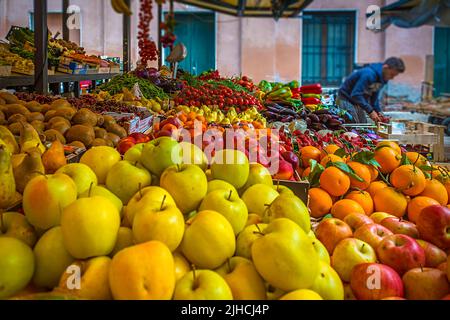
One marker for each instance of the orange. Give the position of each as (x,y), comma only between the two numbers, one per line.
(344,207)
(390,144)
(334,181)
(417,159)
(408,179)
(329,149)
(332,158)
(390,201)
(169,127)
(373,173)
(388,159)
(375,186)
(306,172)
(320,202)
(182,117)
(363,198)
(191,115)
(307,153)
(435,190)
(416,205)
(361,171)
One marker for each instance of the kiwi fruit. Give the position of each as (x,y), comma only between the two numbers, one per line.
(35,116)
(113,138)
(86,117)
(2,101)
(60,103)
(109,143)
(11,109)
(54,120)
(33,106)
(38,125)
(65,112)
(9,98)
(45,108)
(22,102)
(100,133)
(52,135)
(81,133)
(100,120)
(99,142)
(15,128)
(108,120)
(2,118)
(60,126)
(17,118)
(117,130)
(50,114)
(77,144)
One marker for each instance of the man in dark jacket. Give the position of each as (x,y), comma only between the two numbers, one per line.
(359,94)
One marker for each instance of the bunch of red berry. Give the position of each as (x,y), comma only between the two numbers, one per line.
(168,39)
(147,47)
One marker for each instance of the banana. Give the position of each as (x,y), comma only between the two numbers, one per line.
(123,7)
(116,7)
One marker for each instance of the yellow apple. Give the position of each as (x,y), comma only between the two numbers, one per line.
(231,166)
(124,240)
(144,271)
(161,153)
(229,205)
(89,227)
(15,225)
(45,197)
(187,184)
(103,192)
(208,240)
(273,293)
(246,238)
(125,179)
(100,159)
(281,189)
(243,279)
(16,266)
(258,197)
(321,251)
(202,285)
(159,221)
(253,218)
(143,198)
(181,265)
(311,234)
(94,281)
(285,249)
(134,153)
(220,184)
(81,174)
(194,155)
(51,259)
(377,217)
(291,207)
(258,174)
(328,284)
(301,294)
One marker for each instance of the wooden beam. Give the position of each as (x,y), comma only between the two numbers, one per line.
(126,40)
(160,49)
(41,44)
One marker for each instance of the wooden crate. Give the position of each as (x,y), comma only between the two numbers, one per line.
(417,133)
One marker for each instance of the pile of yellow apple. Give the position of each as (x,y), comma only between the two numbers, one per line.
(162,223)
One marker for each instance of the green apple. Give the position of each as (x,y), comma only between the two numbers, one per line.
(246,238)
(208,240)
(134,153)
(51,258)
(258,197)
(258,174)
(181,264)
(348,253)
(187,184)
(311,234)
(125,179)
(81,174)
(321,251)
(143,198)
(220,184)
(124,240)
(16,266)
(159,221)
(90,227)
(45,197)
(285,249)
(291,207)
(229,205)
(101,159)
(328,284)
(202,285)
(194,155)
(161,153)
(103,192)
(15,225)
(281,189)
(231,166)
(253,218)
(243,279)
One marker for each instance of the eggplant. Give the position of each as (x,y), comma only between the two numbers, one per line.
(274,108)
(334,122)
(322,111)
(317,126)
(271,115)
(324,118)
(288,112)
(314,118)
(287,119)
(308,122)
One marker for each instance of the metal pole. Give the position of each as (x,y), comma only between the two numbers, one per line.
(126,40)
(41,42)
(159,35)
(65,16)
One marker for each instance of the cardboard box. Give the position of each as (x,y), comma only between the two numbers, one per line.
(134,124)
(5,71)
(300,188)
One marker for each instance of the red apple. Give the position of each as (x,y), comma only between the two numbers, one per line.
(164,133)
(140,137)
(374,281)
(285,171)
(331,231)
(434,225)
(433,255)
(447,297)
(425,284)
(125,144)
(401,252)
(291,157)
(400,226)
(356,220)
(393,298)
(372,234)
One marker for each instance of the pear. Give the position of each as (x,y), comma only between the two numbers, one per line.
(29,138)
(7,182)
(30,167)
(54,158)
(8,139)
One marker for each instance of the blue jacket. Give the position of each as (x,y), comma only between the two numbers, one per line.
(363,86)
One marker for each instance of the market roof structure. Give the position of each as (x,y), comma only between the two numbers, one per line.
(253,8)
